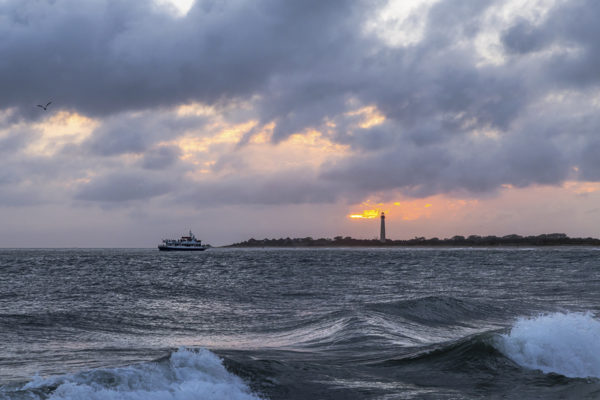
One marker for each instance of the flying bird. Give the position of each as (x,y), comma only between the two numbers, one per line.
(44,107)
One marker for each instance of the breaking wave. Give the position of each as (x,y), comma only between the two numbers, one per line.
(561,343)
(185,374)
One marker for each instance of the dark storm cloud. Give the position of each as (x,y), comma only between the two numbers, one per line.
(453,122)
(106,56)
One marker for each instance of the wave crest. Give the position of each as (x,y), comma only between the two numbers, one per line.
(562,343)
(437,310)
(186,374)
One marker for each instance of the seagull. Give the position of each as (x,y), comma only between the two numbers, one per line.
(44,107)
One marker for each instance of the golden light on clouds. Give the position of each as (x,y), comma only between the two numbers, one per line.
(60,129)
(225,134)
(315,140)
(234,134)
(264,135)
(582,187)
(306,150)
(218,145)
(194,109)
(370,115)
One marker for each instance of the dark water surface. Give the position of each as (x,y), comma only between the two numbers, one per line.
(300,324)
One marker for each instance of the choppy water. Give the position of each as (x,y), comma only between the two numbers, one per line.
(300,324)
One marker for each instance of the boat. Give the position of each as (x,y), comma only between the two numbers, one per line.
(186,243)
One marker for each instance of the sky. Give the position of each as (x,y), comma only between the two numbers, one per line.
(269,118)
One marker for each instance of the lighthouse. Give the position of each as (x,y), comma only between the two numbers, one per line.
(382,232)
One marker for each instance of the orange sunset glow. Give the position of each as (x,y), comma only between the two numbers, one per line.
(366,214)
(408,210)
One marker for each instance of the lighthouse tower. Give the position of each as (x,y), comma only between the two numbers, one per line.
(382,232)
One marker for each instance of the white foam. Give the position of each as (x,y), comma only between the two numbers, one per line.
(563,343)
(187,375)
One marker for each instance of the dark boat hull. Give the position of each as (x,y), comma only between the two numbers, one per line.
(170,248)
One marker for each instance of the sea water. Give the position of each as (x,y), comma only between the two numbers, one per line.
(300,324)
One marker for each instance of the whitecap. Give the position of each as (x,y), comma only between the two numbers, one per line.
(562,343)
(185,375)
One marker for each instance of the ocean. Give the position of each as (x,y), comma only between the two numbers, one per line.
(385,323)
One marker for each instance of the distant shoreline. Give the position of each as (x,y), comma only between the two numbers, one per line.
(551,239)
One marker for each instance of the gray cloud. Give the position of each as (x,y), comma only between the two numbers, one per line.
(457,165)
(570,26)
(590,165)
(285,187)
(16,139)
(138,132)
(161,157)
(14,196)
(523,38)
(123,187)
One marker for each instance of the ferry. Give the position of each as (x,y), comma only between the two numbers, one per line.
(186,243)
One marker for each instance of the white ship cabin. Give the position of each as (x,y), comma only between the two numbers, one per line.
(184,241)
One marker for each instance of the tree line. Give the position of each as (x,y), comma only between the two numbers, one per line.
(548,239)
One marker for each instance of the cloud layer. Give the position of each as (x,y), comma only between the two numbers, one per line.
(491,94)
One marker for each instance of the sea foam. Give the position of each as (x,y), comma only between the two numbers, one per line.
(563,343)
(186,375)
